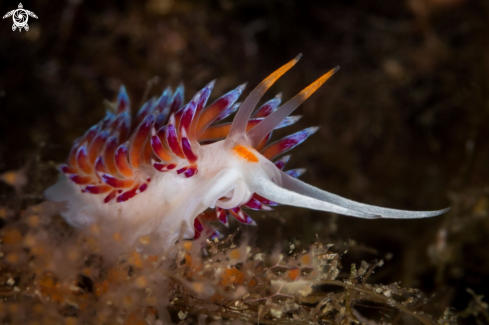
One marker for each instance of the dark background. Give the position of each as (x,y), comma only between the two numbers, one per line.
(404,124)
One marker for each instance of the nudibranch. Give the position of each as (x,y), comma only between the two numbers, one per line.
(157,172)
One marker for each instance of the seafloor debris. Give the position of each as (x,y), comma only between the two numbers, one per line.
(51,274)
(15,178)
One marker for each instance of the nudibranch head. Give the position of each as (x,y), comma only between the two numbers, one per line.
(157,172)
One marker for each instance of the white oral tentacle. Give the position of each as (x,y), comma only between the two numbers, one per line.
(227,183)
(240,195)
(219,186)
(298,186)
(263,186)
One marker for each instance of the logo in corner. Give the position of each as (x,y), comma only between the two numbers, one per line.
(20,17)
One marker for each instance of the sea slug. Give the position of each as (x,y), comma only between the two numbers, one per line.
(155,173)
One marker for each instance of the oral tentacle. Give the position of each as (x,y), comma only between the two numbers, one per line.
(226,183)
(219,186)
(264,187)
(307,190)
(239,196)
(256,134)
(238,127)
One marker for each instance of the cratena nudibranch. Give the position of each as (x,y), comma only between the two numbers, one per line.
(155,173)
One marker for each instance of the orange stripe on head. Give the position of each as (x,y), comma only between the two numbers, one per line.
(245,153)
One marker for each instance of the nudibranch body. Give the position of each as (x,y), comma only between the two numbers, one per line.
(157,174)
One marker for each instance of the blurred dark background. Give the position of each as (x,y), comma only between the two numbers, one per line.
(404,124)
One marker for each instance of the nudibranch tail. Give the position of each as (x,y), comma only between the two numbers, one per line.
(158,172)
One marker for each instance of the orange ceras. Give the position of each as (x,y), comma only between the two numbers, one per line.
(245,153)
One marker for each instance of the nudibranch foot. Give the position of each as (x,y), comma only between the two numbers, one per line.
(151,174)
